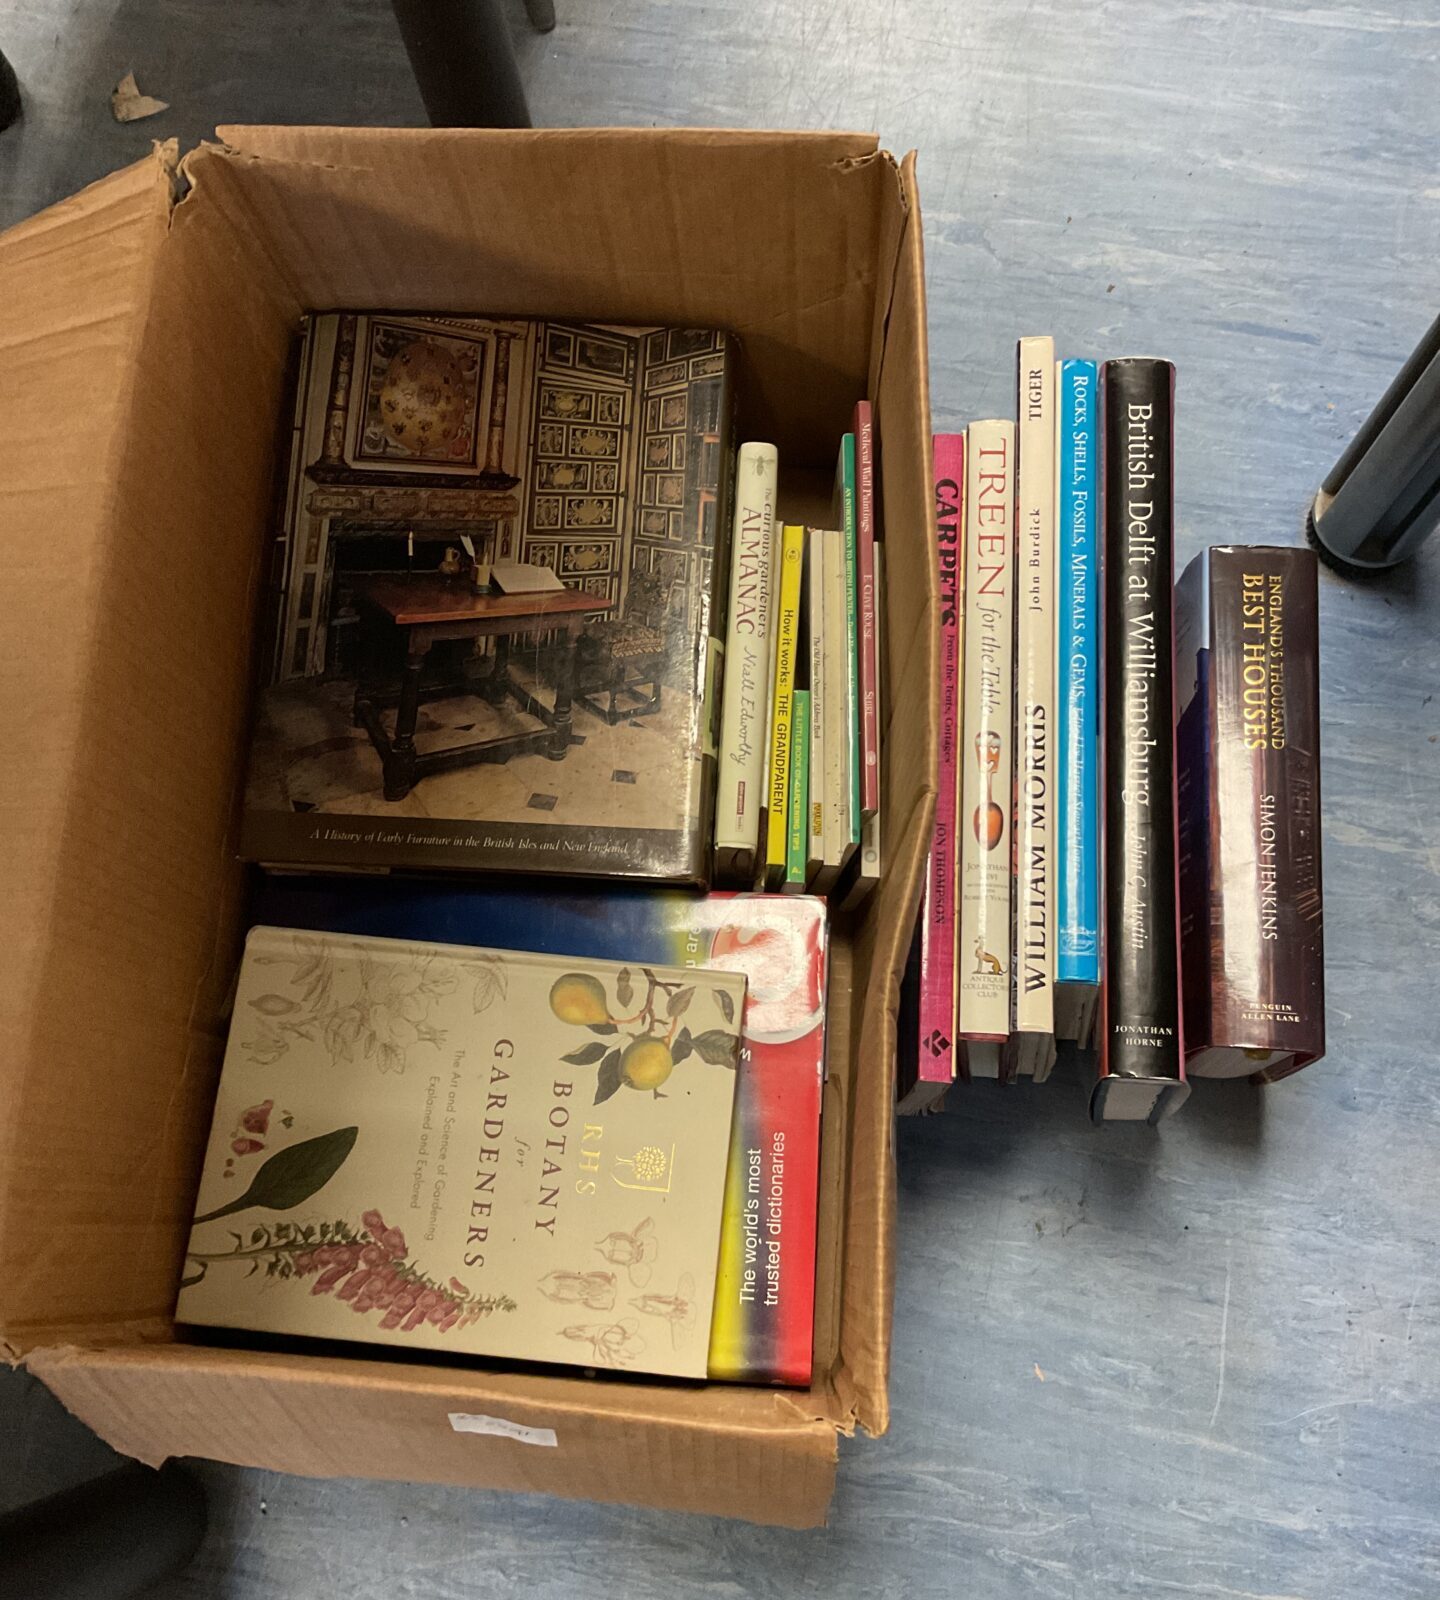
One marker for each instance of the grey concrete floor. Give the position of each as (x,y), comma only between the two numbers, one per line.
(1203,1361)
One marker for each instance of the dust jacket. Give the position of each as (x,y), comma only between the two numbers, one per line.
(1251,912)
(409,716)
(749,646)
(1032,982)
(986,755)
(1142,1073)
(468,1150)
(1077,943)
(762,1327)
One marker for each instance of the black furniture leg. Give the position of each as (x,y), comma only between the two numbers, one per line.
(464,63)
(400,767)
(110,1539)
(10,86)
(1381,500)
(542,14)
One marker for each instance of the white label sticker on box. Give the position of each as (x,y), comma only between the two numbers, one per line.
(473,1422)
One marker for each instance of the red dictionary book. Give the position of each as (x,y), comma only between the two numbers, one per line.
(935,1067)
(869,653)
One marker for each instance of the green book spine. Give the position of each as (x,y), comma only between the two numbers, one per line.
(852,627)
(787,628)
(797,849)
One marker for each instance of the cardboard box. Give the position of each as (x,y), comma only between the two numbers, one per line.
(145,329)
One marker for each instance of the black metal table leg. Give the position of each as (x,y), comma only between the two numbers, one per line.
(464,62)
(1381,500)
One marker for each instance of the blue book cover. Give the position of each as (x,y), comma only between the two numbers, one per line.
(1078,660)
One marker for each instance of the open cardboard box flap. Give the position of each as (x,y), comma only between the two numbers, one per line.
(145,330)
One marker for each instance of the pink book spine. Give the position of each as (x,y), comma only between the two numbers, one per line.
(869,654)
(937,936)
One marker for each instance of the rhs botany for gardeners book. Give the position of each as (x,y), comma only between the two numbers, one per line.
(469,1150)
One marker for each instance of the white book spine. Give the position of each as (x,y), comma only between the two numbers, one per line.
(815,578)
(1033,961)
(749,646)
(982,959)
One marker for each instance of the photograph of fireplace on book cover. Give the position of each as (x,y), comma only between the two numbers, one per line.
(490,614)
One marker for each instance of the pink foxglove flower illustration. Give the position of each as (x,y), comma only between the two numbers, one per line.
(593,1289)
(615,1344)
(634,1251)
(369,1269)
(256,1119)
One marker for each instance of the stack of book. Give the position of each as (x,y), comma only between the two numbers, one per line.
(799,797)
(1076,840)
(484,1108)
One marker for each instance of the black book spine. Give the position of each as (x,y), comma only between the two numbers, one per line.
(1142,1033)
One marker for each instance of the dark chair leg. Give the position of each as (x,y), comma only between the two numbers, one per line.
(542,14)
(10,86)
(464,62)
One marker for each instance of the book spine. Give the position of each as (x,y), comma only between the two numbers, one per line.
(937,950)
(797,847)
(838,845)
(740,800)
(846,486)
(787,623)
(1033,837)
(1141,1033)
(717,478)
(819,708)
(1078,901)
(865,566)
(985,754)
(1252,936)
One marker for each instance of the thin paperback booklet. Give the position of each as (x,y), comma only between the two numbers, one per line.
(749,645)
(762,1328)
(782,703)
(466,1149)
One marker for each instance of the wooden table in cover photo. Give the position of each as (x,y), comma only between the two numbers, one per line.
(428,609)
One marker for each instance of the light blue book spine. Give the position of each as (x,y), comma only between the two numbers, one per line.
(1078,615)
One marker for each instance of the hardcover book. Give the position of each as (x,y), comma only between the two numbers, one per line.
(1142,1071)
(469,1150)
(410,714)
(935,1070)
(749,647)
(1251,913)
(1077,948)
(1032,980)
(782,705)
(865,577)
(986,746)
(761,1330)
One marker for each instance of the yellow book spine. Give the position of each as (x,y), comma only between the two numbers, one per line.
(787,635)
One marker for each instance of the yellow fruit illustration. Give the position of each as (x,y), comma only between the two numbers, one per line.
(579,998)
(646,1063)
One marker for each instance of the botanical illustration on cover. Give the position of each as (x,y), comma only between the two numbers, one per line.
(474,1150)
